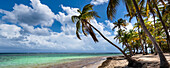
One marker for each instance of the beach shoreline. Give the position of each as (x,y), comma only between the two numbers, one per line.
(92,62)
(150,61)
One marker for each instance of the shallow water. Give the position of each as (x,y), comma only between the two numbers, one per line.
(19,60)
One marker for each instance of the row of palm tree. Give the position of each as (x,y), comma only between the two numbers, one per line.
(133,39)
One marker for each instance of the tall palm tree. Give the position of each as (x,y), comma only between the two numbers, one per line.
(111,10)
(163,61)
(163,23)
(160,17)
(84,18)
(132,13)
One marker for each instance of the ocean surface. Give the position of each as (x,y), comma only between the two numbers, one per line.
(25,60)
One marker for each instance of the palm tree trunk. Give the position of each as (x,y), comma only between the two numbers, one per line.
(144,44)
(155,51)
(163,23)
(137,50)
(163,62)
(140,38)
(146,49)
(134,50)
(132,62)
(151,49)
(130,49)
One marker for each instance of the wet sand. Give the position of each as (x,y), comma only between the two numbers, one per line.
(82,63)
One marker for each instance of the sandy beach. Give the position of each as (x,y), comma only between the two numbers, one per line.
(149,61)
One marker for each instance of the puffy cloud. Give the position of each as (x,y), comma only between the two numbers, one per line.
(36,31)
(39,14)
(65,19)
(98,2)
(109,24)
(10,31)
(100,26)
(41,38)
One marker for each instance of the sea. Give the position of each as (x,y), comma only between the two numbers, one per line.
(21,60)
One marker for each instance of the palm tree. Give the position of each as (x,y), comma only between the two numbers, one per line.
(119,24)
(84,18)
(160,17)
(111,10)
(124,39)
(132,13)
(163,61)
(138,25)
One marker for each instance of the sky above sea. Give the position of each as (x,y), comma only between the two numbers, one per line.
(46,26)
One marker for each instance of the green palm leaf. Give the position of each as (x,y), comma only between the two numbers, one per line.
(74,18)
(87,8)
(111,8)
(78,29)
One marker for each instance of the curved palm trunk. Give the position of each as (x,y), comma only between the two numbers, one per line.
(163,62)
(140,38)
(131,61)
(163,23)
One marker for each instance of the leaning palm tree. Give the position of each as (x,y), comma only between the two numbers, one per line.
(84,20)
(111,10)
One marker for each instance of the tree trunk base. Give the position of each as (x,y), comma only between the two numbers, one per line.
(134,63)
(165,65)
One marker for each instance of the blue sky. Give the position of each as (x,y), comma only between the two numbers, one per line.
(45,26)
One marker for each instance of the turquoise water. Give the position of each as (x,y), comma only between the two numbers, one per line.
(16,60)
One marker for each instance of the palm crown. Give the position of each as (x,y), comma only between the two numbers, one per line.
(81,21)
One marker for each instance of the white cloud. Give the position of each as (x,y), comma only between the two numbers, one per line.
(109,24)
(68,27)
(39,14)
(98,2)
(100,27)
(10,31)
(43,38)
(35,31)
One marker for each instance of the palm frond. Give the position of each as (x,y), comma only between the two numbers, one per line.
(89,15)
(114,27)
(79,11)
(163,3)
(147,8)
(83,29)
(92,34)
(78,29)
(111,8)
(74,18)
(141,4)
(87,8)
